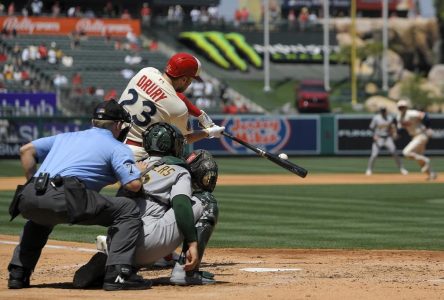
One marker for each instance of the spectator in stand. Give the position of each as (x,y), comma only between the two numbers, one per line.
(213,13)
(145,13)
(204,17)
(275,11)
(25,55)
(33,52)
(230,108)
(71,11)
(26,78)
(195,16)
(108,10)
(100,92)
(303,18)
(312,18)
(291,19)
(76,80)
(8,72)
(117,44)
(55,9)
(154,45)
(125,15)
(170,13)
(43,51)
(111,94)
(52,55)
(178,14)
(17,75)
(60,80)
(91,90)
(11,9)
(36,7)
(3,57)
(74,37)
(244,16)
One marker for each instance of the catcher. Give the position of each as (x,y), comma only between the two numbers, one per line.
(172,212)
(384,134)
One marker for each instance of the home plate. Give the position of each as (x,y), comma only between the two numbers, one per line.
(271,269)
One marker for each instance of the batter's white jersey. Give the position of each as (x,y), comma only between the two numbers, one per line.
(150,99)
(412,122)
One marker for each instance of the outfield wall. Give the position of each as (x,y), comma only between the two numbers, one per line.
(324,134)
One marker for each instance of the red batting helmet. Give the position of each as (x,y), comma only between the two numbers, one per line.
(183,64)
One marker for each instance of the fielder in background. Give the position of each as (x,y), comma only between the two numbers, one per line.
(152,96)
(417,125)
(384,130)
(177,207)
(75,166)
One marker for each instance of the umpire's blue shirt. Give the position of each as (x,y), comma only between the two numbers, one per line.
(92,155)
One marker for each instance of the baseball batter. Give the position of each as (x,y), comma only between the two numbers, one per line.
(177,207)
(416,123)
(384,131)
(152,96)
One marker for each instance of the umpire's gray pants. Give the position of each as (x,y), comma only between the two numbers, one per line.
(45,211)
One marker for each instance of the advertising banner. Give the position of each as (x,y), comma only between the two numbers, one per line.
(15,132)
(295,135)
(354,137)
(24,104)
(64,26)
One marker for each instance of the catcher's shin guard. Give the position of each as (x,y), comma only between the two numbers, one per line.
(207,222)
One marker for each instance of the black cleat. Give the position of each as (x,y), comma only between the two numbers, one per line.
(18,277)
(121,277)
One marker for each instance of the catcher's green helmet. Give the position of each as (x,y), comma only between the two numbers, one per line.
(164,139)
(203,169)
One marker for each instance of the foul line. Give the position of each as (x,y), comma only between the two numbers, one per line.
(54,247)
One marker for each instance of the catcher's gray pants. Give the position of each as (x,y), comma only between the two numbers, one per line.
(45,211)
(161,235)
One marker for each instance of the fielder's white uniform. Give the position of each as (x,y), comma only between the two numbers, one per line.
(382,124)
(160,232)
(411,121)
(150,99)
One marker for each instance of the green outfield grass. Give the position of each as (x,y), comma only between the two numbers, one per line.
(258,165)
(339,216)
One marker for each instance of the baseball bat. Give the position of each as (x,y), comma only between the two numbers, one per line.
(293,168)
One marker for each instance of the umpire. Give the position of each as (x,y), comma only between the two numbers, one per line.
(75,166)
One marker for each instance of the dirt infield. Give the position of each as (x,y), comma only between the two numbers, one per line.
(310,274)
(8,183)
(291,273)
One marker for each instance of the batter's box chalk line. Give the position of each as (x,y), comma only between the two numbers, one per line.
(260,270)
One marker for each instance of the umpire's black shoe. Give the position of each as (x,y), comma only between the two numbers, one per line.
(18,277)
(122,277)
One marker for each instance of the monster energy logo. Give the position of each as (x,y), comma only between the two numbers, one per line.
(231,51)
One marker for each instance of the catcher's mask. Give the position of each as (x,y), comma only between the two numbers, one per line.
(204,170)
(163,139)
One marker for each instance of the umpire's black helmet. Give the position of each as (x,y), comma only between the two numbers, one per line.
(204,170)
(163,139)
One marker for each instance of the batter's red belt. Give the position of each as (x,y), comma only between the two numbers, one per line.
(133,143)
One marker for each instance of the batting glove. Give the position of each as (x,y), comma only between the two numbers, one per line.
(204,120)
(214,131)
